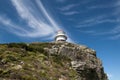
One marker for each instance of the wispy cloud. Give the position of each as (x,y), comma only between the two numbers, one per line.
(61,1)
(86,26)
(115,37)
(39,27)
(113,33)
(97,20)
(116,30)
(87,31)
(39,23)
(41,7)
(10,26)
(70,13)
(68,7)
(36,27)
(117,9)
(101,6)
(110,5)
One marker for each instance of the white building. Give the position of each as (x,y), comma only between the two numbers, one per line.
(60,36)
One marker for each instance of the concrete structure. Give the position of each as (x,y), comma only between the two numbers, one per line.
(60,36)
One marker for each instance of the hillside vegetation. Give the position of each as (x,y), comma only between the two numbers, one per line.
(47,61)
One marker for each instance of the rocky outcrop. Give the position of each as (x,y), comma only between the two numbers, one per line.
(49,61)
(83,60)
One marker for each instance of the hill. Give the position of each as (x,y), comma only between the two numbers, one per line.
(49,61)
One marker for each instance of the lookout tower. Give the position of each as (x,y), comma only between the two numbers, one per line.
(60,36)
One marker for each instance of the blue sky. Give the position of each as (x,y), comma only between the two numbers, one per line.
(95,23)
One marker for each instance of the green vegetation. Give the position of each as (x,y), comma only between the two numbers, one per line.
(22,61)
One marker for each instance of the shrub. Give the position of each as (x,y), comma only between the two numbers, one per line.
(17,45)
(36,48)
(59,59)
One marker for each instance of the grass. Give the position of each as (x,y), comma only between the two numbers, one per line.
(36,63)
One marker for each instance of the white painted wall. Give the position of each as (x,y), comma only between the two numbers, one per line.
(60,38)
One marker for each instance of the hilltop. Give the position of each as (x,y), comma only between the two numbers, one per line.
(49,61)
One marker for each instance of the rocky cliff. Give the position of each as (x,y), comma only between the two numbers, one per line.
(49,61)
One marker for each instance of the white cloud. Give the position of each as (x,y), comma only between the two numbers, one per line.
(97,20)
(10,26)
(38,24)
(113,33)
(39,27)
(115,37)
(111,4)
(70,13)
(116,4)
(116,31)
(68,7)
(109,76)
(54,24)
(18,30)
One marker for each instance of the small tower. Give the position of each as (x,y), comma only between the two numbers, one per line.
(60,36)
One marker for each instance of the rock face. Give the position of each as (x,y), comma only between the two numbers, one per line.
(83,60)
(49,61)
